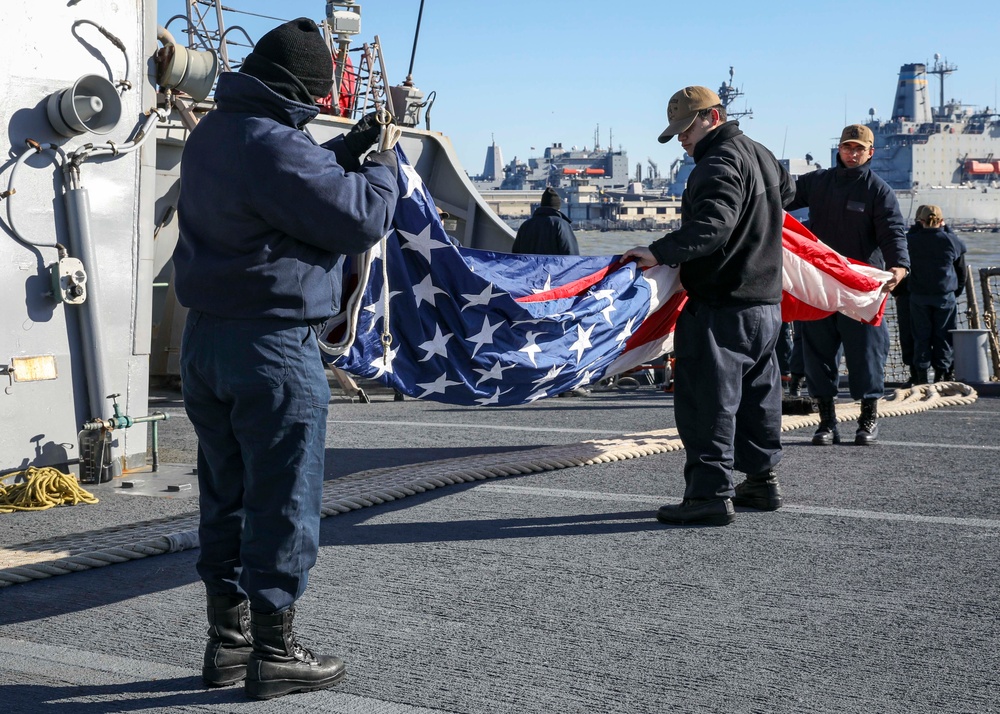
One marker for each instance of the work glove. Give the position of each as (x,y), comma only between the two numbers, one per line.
(385,158)
(362,135)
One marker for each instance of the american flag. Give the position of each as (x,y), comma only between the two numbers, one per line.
(475,327)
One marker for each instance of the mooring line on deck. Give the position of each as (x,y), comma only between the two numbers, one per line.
(59,556)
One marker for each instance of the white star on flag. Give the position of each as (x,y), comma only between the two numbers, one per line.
(413,180)
(582,341)
(383,365)
(437,386)
(422,242)
(550,375)
(627,331)
(545,288)
(425,290)
(495,399)
(437,345)
(482,298)
(494,372)
(485,335)
(585,378)
(530,347)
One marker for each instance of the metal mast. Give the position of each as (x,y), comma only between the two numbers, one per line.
(941,69)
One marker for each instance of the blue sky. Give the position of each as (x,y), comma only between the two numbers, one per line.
(534,72)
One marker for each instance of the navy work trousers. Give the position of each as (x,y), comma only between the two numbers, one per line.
(727,394)
(932,318)
(865,349)
(257,395)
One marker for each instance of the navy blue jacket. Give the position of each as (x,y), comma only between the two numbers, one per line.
(266,215)
(729,243)
(547,232)
(854,212)
(937,262)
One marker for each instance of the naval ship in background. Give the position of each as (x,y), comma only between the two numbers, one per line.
(595,185)
(557,167)
(946,155)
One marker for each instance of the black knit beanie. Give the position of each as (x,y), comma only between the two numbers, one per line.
(551,199)
(299,48)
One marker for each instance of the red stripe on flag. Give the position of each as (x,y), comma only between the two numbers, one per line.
(796,238)
(660,323)
(574,288)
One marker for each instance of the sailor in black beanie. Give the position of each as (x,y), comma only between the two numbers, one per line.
(548,231)
(294,61)
(266,219)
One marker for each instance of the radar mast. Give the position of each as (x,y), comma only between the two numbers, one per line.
(728,93)
(941,69)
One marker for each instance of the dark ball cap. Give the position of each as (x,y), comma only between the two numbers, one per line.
(299,47)
(551,199)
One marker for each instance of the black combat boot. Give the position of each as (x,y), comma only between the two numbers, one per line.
(943,375)
(229,645)
(827,433)
(697,512)
(795,385)
(919,375)
(760,491)
(279,665)
(867,433)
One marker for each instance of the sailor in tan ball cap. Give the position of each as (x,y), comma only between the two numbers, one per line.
(727,390)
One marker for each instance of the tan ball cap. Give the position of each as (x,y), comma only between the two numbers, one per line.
(684,106)
(926,213)
(858,134)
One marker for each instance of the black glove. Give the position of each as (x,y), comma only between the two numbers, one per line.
(385,158)
(362,135)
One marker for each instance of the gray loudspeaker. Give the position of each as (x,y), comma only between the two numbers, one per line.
(91,105)
(186,70)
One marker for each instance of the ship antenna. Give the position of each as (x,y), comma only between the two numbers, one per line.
(941,69)
(416,34)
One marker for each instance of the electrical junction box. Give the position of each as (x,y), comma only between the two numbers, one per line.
(346,21)
(69,281)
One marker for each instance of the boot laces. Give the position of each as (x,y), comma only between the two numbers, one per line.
(303,654)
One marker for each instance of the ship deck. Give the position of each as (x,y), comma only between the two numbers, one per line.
(553,588)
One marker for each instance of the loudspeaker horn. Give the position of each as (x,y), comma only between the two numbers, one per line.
(190,71)
(91,105)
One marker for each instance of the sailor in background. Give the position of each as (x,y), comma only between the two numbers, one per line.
(548,231)
(856,213)
(266,217)
(727,387)
(937,278)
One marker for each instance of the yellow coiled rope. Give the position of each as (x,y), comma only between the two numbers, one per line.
(42,488)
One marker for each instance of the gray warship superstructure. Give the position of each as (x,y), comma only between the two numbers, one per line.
(946,154)
(558,167)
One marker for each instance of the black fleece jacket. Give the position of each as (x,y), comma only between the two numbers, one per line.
(547,232)
(729,242)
